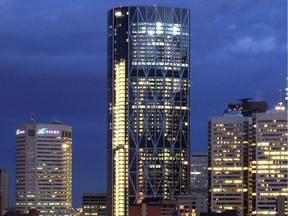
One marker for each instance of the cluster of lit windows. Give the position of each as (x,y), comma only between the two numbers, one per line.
(150,169)
(270,165)
(159,44)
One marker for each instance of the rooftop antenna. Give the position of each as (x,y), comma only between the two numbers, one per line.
(32,118)
(280,94)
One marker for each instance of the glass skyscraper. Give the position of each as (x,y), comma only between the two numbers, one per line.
(148,102)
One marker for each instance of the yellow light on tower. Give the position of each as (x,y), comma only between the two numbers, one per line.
(119,140)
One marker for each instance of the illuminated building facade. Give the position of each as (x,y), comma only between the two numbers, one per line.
(44,168)
(4,189)
(228,172)
(270,161)
(148,102)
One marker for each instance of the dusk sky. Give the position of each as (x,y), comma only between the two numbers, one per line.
(53,63)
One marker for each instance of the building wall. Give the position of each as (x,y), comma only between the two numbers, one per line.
(228,149)
(148,103)
(44,168)
(4,188)
(270,161)
(146,209)
(94,204)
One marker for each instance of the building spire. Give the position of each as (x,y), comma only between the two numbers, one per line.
(279,106)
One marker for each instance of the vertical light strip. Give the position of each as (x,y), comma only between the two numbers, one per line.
(119,140)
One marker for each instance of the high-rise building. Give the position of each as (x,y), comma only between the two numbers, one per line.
(199,172)
(94,204)
(270,161)
(228,149)
(44,168)
(148,102)
(199,179)
(4,189)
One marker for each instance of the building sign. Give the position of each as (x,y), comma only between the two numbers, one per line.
(43,131)
(19,132)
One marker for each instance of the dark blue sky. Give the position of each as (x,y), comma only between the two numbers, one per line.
(53,64)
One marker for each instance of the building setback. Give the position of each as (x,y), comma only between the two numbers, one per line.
(4,189)
(270,161)
(44,168)
(148,103)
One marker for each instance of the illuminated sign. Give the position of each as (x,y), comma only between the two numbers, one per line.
(43,131)
(19,132)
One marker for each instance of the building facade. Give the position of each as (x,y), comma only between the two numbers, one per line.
(44,168)
(199,179)
(148,103)
(4,189)
(270,161)
(94,204)
(228,147)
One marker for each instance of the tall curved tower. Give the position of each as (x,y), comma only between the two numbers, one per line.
(148,103)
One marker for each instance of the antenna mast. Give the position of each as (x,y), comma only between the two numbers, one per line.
(32,118)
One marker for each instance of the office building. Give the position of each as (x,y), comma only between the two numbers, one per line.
(94,204)
(228,172)
(270,158)
(148,103)
(44,168)
(4,189)
(199,179)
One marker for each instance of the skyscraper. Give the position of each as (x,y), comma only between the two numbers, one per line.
(270,162)
(4,188)
(228,172)
(44,168)
(148,102)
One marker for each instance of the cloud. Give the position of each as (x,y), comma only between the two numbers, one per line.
(249,44)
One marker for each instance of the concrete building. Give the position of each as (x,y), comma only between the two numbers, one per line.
(4,189)
(148,105)
(44,168)
(270,167)
(228,149)
(94,204)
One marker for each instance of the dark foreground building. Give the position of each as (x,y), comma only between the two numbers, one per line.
(94,204)
(148,103)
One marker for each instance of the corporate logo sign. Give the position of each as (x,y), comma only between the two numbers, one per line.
(44,131)
(20,132)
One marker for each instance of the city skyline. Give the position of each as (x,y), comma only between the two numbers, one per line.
(55,53)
